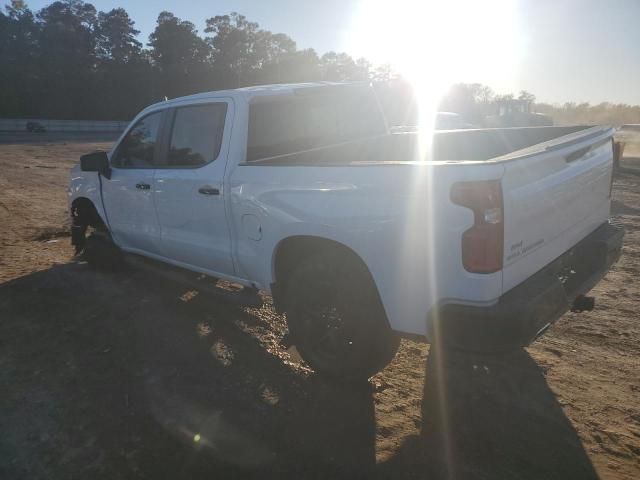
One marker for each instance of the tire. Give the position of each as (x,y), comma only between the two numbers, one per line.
(336,318)
(99,251)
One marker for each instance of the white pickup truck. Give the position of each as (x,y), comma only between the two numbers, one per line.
(478,239)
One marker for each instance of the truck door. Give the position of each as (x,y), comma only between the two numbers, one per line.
(128,195)
(189,193)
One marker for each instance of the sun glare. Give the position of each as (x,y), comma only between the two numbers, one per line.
(435,44)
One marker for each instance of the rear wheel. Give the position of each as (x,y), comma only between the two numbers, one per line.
(336,318)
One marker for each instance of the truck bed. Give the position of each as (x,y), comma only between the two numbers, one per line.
(449,146)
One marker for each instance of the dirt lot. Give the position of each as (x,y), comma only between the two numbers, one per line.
(122,375)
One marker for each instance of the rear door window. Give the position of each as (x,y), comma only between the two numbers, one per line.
(138,148)
(196,135)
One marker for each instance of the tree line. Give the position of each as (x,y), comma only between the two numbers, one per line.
(68,60)
(605,113)
(476,101)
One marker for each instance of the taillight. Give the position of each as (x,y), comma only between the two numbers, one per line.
(482,244)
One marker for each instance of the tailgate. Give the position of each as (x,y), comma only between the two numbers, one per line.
(555,194)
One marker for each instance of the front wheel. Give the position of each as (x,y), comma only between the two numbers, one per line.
(336,318)
(91,237)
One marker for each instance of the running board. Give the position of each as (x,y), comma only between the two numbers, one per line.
(227,291)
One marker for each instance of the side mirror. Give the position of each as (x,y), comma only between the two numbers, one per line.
(96,162)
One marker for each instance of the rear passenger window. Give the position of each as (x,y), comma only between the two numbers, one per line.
(137,149)
(196,135)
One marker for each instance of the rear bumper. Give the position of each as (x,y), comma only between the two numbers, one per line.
(529,309)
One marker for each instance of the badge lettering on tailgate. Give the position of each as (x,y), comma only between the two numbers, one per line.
(518,249)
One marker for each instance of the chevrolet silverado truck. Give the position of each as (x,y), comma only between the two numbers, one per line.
(477,239)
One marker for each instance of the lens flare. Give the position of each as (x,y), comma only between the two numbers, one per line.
(434,44)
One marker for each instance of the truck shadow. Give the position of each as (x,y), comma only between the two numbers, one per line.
(139,381)
(487,417)
(114,375)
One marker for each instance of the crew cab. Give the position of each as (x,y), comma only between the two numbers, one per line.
(477,239)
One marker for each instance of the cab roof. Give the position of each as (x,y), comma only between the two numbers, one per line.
(247,93)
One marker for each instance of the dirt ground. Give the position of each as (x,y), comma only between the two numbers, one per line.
(122,375)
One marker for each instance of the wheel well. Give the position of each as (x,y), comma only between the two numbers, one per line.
(84,212)
(291,251)
(83,215)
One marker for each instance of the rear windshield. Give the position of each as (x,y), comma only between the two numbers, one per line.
(298,123)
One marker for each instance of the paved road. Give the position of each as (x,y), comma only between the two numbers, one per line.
(56,137)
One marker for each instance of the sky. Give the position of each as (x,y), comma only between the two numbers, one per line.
(560,50)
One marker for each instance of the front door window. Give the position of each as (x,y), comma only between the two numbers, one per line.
(138,147)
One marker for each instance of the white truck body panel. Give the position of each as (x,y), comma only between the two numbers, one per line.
(133,228)
(405,244)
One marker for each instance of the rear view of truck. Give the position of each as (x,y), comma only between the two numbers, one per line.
(545,226)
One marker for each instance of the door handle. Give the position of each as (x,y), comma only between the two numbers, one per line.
(143,186)
(206,190)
